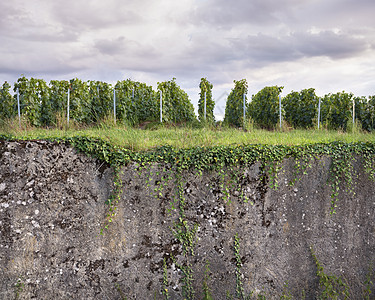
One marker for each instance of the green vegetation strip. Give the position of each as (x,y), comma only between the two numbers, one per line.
(206,158)
(140,140)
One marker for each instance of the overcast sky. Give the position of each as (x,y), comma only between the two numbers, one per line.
(325,44)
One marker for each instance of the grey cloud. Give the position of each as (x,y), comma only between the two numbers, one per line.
(263,49)
(227,14)
(330,44)
(17,23)
(96,15)
(121,48)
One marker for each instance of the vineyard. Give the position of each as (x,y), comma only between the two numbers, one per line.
(132,102)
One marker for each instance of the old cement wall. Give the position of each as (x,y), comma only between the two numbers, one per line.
(52,209)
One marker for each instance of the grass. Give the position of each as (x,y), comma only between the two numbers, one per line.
(140,139)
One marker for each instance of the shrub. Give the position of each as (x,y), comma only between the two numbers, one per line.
(177,107)
(300,108)
(206,88)
(336,110)
(234,106)
(7,102)
(264,107)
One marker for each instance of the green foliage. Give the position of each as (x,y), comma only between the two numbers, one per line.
(34,100)
(217,158)
(220,158)
(206,89)
(59,95)
(234,106)
(181,230)
(336,110)
(136,102)
(332,287)
(92,101)
(29,99)
(80,102)
(176,103)
(44,94)
(264,107)
(101,99)
(300,108)
(7,102)
(188,291)
(286,295)
(369,282)
(187,282)
(114,198)
(207,295)
(165,285)
(18,288)
(237,256)
(118,288)
(365,112)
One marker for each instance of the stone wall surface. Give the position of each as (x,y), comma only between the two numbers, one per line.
(52,208)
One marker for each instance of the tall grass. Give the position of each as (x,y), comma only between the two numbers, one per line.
(185,137)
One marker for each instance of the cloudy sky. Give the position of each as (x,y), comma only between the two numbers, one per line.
(327,45)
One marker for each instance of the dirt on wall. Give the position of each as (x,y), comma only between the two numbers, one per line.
(52,209)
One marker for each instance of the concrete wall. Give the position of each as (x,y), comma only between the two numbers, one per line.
(52,207)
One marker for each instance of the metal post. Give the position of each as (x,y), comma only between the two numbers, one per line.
(319,113)
(161,106)
(19,108)
(205,104)
(353,111)
(280,117)
(244,110)
(114,105)
(133,94)
(67,108)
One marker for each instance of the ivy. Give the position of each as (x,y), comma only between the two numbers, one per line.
(237,256)
(226,161)
(223,159)
(332,287)
(181,230)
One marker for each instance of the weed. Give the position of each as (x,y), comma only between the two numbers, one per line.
(332,287)
(165,285)
(118,288)
(18,288)
(206,289)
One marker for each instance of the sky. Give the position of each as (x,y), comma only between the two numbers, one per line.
(298,44)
